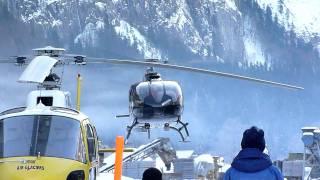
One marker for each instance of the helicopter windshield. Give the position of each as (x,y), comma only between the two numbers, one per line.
(40,135)
(174,91)
(159,92)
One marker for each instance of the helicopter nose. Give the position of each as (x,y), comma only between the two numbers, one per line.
(44,168)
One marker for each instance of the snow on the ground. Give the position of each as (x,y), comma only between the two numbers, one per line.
(108,176)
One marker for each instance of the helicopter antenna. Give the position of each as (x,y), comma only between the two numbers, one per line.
(79,79)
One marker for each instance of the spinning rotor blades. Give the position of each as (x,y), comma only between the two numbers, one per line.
(43,69)
(190,69)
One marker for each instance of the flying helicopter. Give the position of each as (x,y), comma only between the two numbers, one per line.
(158,103)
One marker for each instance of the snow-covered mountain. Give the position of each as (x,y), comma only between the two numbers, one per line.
(300,16)
(219,30)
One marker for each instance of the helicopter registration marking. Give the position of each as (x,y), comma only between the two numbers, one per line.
(30,167)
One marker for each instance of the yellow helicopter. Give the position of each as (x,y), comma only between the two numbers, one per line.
(48,139)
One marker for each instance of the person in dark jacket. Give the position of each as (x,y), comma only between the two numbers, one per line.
(251,163)
(152,174)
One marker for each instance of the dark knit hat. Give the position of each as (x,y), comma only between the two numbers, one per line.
(152,174)
(253,138)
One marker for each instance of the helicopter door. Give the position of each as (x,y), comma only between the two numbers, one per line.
(92,151)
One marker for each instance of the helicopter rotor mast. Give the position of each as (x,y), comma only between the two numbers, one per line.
(190,69)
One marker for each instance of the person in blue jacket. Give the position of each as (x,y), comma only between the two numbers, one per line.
(251,163)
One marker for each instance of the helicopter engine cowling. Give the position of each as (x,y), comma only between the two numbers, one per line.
(156,99)
(55,98)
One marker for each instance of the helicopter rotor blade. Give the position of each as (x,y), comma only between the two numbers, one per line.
(38,69)
(190,69)
(18,60)
(6,61)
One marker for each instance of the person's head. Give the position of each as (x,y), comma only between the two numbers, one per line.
(253,138)
(152,174)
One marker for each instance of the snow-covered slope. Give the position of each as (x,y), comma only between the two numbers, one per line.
(301,16)
(215,30)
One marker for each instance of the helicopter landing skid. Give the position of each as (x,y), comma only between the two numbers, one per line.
(134,124)
(167,126)
(129,129)
(179,129)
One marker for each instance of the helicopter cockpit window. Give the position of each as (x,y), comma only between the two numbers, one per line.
(38,135)
(157,91)
(174,91)
(151,93)
(91,143)
(142,90)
